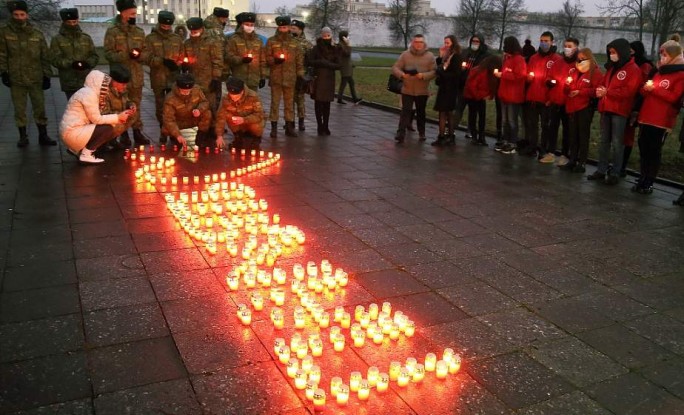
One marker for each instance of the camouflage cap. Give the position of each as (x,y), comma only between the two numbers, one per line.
(282,20)
(68,14)
(166,17)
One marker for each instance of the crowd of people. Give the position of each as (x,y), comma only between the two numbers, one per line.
(541,88)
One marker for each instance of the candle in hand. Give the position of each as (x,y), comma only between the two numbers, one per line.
(282,56)
(532,74)
(569,80)
(649,83)
(496,70)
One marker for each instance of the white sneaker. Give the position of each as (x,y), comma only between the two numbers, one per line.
(562,161)
(88,156)
(548,158)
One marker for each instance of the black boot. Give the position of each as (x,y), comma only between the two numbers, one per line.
(23,138)
(290,129)
(681,145)
(125,140)
(274,129)
(482,140)
(450,139)
(325,117)
(139,138)
(625,160)
(301,125)
(439,141)
(43,137)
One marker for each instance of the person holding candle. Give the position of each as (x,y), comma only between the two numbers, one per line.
(416,66)
(284,58)
(301,88)
(244,53)
(242,111)
(580,89)
(215,26)
(476,52)
(325,60)
(616,99)
(85,126)
(118,100)
(186,106)
(513,75)
(447,73)
(482,84)
(662,101)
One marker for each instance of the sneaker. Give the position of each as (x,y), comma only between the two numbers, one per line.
(88,157)
(562,161)
(548,158)
(509,148)
(499,145)
(339,101)
(596,176)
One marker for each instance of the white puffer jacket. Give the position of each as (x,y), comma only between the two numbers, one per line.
(83,112)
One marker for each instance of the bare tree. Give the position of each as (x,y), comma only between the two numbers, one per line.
(567,18)
(404,21)
(38,10)
(664,17)
(283,11)
(629,8)
(472,17)
(504,14)
(330,13)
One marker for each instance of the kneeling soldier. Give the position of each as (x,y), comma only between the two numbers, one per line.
(241,109)
(186,107)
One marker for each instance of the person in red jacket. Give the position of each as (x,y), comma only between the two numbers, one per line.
(511,92)
(616,100)
(537,96)
(580,88)
(555,80)
(480,86)
(662,100)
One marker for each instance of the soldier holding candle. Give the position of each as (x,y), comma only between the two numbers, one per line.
(244,53)
(186,106)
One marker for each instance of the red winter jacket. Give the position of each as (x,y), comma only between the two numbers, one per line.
(513,74)
(540,65)
(586,84)
(556,79)
(622,85)
(477,85)
(662,104)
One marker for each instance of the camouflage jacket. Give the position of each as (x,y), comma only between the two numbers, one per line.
(162,45)
(24,54)
(119,40)
(213,28)
(116,103)
(178,110)
(71,44)
(304,45)
(285,73)
(249,107)
(237,47)
(205,59)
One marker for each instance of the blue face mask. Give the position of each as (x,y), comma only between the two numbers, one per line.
(544,46)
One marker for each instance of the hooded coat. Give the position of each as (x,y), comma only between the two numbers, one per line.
(422,61)
(71,44)
(622,81)
(471,58)
(540,64)
(84,111)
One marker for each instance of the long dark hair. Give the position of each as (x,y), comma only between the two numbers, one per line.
(512,46)
(455,46)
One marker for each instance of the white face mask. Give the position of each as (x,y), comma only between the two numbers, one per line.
(195,34)
(569,52)
(664,59)
(248,29)
(614,57)
(583,66)
(475,46)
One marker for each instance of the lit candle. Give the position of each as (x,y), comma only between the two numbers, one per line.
(649,82)
(364,390)
(532,74)
(358,312)
(339,312)
(346,320)
(246,317)
(496,71)
(342,394)
(442,369)
(257,301)
(394,369)
(292,367)
(410,329)
(277,344)
(403,378)
(282,56)
(411,365)
(319,399)
(324,320)
(430,361)
(339,343)
(311,387)
(387,308)
(284,354)
(355,381)
(359,338)
(448,355)
(300,379)
(383,382)
(455,364)
(317,348)
(334,331)
(569,80)
(418,373)
(372,375)
(233,282)
(302,350)
(464,64)
(315,373)
(335,384)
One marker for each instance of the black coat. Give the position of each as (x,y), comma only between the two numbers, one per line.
(448,82)
(325,60)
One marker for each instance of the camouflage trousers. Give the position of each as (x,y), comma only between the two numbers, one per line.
(300,101)
(254,130)
(19,94)
(287,93)
(135,95)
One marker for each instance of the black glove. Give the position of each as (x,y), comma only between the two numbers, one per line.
(278,60)
(79,65)
(46,83)
(215,85)
(438,61)
(550,83)
(171,65)
(6,80)
(134,53)
(411,72)
(247,59)
(262,83)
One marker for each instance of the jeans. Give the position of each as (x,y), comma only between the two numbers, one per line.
(511,115)
(612,140)
(407,102)
(557,116)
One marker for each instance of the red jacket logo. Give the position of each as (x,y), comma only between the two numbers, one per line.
(549,64)
(621,75)
(665,84)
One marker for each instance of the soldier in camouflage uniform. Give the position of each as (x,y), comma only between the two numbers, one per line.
(124,44)
(297,31)
(205,62)
(215,26)
(118,100)
(72,52)
(244,53)
(25,69)
(186,107)
(164,54)
(284,57)
(241,109)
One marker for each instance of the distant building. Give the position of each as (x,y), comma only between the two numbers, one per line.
(368,6)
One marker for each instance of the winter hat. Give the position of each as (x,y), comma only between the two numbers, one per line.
(15,5)
(185,81)
(672,47)
(68,14)
(235,85)
(166,17)
(221,12)
(282,20)
(245,17)
(326,30)
(120,74)
(194,23)
(122,5)
(298,23)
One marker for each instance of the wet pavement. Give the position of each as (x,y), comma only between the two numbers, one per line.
(562,296)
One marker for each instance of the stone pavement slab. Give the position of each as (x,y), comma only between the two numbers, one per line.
(561,295)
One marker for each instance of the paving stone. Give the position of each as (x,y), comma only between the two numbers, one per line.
(151,225)
(96,295)
(111,245)
(380,236)
(521,327)
(171,397)
(177,285)
(450,249)
(477,298)
(173,260)
(667,374)
(461,227)
(565,280)
(124,324)
(440,274)
(469,337)
(23,255)
(42,381)
(126,365)
(79,407)
(424,232)
(631,394)
(390,283)
(111,267)
(573,315)
(39,303)
(36,338)
(98,214)
(663,330)
(657,294)
(427,309)
(575,403)
(363,261)
(522,288)
(193,313)
(517,380)
(39,275)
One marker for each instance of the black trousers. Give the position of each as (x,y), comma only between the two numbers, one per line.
(102,134)
(407,103)
(557,116)
(343,84)
(534,114)
(322,110)
(651,140)
(477,113)
(579,126)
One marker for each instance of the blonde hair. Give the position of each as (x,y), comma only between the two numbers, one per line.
(590,56)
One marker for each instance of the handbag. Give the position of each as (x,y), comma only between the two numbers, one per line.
(394,84)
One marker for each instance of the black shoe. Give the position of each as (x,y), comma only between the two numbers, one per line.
(531,152)
(339,101)
(569,166)
(163,139)
(125,140)
(612,180)
(301,125)
(23,142)
(410,128)
(358,101)
(439,141)
(274,129)
(642,190)
(399,138)
(679,201)
(596,176)
(326,131)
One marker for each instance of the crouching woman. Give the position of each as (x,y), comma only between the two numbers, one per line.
(84,128)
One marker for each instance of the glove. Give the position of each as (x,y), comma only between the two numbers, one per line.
(262,83)
(247,59)
(6,80)
(134,53)
(79,65)
(550,83)
(171,65)
(439,60)
(46,83)
(278,60)
(215,85)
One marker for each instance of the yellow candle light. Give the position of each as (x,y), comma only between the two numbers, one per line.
(394,370)
(373,311)
(355,381)
(334,331)
(317,348)
(346,320)
(277,344)
(383,382)
(339,312)
(233,282)
(496,70)
(300,379)
(441,369)
(335,384)
(404,377)
(455,364)
(364,390)
(430,362)
(359,338)
(246,317)
(358,312)
(315,373)
(387,308)
(410,329)
(324,320)
(448,355)
(532,74)
(649,82)
(410,365)
(195,180)
(365,319)
(311,387)
(284,354)
(319,399)
(372,375)
(302,350)
(342,394)
(339,343)
(569,80)
(279,321)
(292,367)
(418,373)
